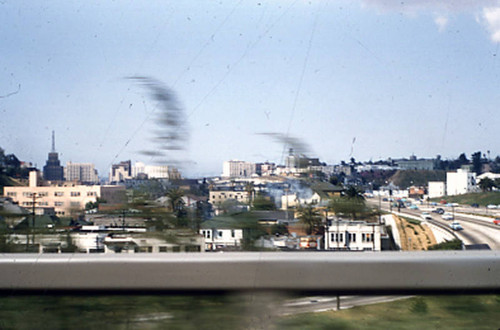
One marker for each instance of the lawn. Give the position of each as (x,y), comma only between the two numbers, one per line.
(481,198)
(240,312)
(430,312)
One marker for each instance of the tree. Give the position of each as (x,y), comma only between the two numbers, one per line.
(175,202)
(263,203)
(249,188)
(476,162)
(486,184)
(354,193)
(310,218)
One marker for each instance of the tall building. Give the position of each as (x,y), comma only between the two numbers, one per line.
(155,171)
(53,171)
(238,169)
(460,182)
(120,172)
(81,172)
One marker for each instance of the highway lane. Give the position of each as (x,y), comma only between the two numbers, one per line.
(329,303)
(475,231)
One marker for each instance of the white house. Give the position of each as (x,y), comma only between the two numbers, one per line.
(222,238)
(353,236)
(436,189)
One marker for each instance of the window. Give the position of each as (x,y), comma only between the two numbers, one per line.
(58,203)
(162,249)
(11,194)
(220,233)
(91,193)
(27,194)
(58,193)
(75,193)
(232,233)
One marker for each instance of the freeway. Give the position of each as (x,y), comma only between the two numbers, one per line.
(476,230)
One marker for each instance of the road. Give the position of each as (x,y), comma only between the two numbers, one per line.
(476,230)
(329,303)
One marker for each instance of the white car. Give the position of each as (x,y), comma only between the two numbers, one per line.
(491,206)
(447,216)
(426,215)
(456,226)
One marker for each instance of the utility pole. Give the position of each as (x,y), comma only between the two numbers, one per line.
(33,203)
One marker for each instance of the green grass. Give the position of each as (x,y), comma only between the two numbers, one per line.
(430,312)
(240,312)
(481,198)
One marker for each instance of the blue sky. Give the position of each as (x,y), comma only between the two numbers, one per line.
(401,78)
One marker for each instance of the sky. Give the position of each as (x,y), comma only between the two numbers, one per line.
(364,79)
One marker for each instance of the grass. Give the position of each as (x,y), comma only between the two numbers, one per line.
(481,198)
(430,312)
(240,312)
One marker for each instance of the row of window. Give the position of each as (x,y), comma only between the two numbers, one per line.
(73,204)
(216,233)
(45,194)
(351,237)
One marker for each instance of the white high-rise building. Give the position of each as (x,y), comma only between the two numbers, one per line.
(155,171)
(460,182)
(81,172)
(238,169)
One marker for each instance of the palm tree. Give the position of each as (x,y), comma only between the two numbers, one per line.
(310,217)
(249,188)
(175,200)
(354,193)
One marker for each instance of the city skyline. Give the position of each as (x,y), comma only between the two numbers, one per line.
(368,80)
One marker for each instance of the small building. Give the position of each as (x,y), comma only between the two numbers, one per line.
(222,233)
(436,189)
(353,236)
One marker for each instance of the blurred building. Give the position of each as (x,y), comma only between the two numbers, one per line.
(65,197)
(155,171)
(238,169)
(120,172)
(81,172)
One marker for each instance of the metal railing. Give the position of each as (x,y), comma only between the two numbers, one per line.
(319,272)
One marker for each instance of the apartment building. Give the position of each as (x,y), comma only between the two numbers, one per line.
(238,169)
(81,172)
(63,197)
(460,182)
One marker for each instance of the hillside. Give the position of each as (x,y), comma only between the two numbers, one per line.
(407,178)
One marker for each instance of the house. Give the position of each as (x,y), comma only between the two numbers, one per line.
(222,233)
(353,236)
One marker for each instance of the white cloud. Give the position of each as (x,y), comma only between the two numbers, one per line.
(491,19)
(441,22)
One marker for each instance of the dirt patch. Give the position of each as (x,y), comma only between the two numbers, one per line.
(414,236)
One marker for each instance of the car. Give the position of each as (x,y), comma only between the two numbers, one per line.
(456,226)
(447,216)
(491,206)
(438,210)
(474,205)
(413,207)
(496,221)
(426,215)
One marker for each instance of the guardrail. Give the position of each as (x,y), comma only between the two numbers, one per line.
(318,272)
